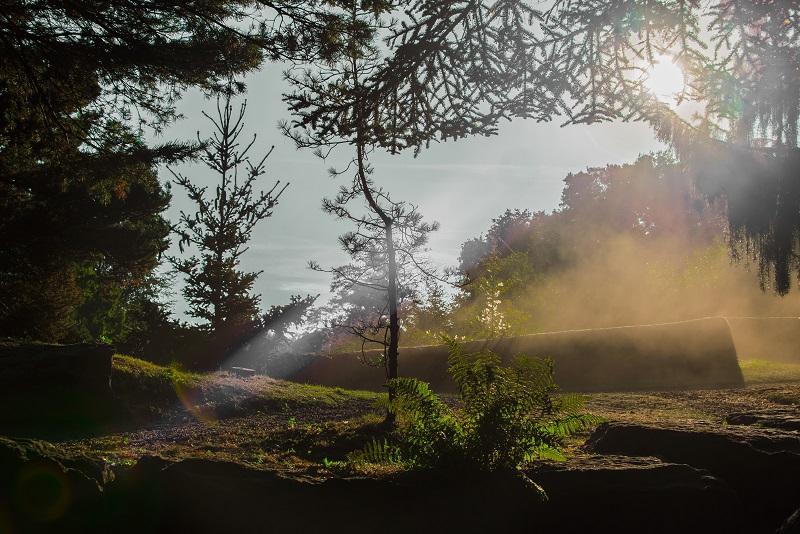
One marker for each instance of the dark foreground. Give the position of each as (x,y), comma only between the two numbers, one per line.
(691,461)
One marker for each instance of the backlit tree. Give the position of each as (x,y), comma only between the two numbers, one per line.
(217,291)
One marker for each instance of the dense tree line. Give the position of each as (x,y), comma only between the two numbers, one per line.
(81,218)
(640,227)
(653,198)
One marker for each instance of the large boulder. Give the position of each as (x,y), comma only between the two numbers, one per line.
(55,386)
(761,464)
(689,354)
(624,494)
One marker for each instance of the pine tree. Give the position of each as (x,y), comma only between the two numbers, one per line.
(64,208)
(389,234)
(217,291)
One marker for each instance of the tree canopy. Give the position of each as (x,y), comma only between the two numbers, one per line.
(453,69)
(135,59)
(61,207)
(79,83)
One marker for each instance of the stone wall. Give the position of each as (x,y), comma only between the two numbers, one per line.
(689,354)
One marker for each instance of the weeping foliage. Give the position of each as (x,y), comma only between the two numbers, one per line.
(763,200)
(509,416)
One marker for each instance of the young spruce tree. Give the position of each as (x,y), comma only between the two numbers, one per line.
(217,291)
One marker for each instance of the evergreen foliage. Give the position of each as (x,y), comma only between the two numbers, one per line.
(137,58)
(332,109)
(362,286)
(217,291)
(64,208)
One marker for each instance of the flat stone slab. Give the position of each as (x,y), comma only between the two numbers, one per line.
(762,465)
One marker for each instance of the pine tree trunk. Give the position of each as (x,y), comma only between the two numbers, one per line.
(394,323)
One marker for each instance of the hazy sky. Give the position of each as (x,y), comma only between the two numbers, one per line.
(462,184)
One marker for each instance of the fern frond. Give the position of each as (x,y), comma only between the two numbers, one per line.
(572,403)
(536,373)
(375,452)
(545,452)
(414,398)
(573,423)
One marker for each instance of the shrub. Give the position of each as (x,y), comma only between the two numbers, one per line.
(509,416)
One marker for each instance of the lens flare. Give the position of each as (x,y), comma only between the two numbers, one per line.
(43,492)
(191,399)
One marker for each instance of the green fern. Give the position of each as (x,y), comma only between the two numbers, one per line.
(375,452)
(510,416)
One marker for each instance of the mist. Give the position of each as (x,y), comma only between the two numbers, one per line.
(631,245)
(625,282)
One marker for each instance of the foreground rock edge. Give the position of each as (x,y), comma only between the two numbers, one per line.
(598,492)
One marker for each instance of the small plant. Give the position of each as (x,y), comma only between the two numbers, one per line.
(375,452)
(510,416)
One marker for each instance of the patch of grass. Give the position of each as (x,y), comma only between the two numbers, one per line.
(304,394)
(757,371)
(147,389)
(317,447)
(145,371)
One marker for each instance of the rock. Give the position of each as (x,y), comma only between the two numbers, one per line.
(50,386)
(42,489)
(788,419)
(599,495)
(760,464)
(626,494)
(791,525)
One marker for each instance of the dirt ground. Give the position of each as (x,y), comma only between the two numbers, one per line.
(316,436)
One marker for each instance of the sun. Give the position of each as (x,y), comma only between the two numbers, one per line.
(664,79)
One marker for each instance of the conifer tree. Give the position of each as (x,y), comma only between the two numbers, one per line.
(217,290)
(389,236)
